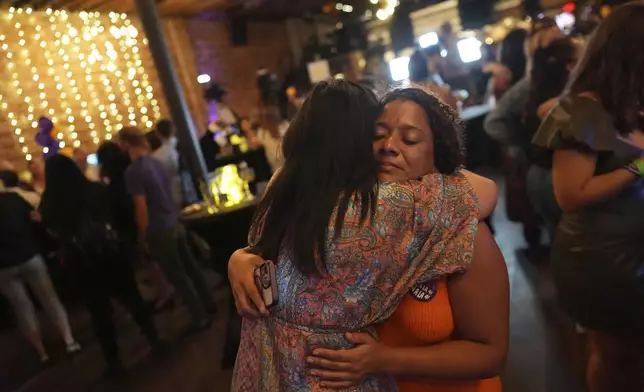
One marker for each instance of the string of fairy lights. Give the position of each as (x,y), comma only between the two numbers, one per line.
(82,70)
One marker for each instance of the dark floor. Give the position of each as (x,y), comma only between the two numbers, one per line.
(546,354)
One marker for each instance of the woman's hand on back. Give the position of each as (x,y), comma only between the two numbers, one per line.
(347,368)
(487,192)
(241,273)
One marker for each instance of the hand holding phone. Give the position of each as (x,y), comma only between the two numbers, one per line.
(267,283)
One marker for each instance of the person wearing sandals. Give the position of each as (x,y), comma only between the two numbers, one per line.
(20,264)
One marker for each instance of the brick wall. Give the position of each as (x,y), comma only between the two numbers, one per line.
(235,67)
(197,46)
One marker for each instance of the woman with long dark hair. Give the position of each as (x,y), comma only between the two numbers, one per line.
(549,75)
(448,333)
(597,255)
(347,247)
(78,211)
(511,66)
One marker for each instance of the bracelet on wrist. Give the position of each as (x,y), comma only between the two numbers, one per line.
(636,167)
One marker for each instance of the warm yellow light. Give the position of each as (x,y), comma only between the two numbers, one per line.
(77,143)
(60,135)
(28,157)
(21,139)
(74,135)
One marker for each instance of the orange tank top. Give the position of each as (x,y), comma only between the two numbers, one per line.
(425,318)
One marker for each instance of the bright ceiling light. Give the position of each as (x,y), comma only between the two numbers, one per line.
(347,8)
(399,69)
(427,40)
(203,78)
(382,14)
(469,49)
(374,1)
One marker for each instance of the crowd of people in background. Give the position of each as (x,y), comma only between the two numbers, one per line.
(572,131)
(101,229)
(375,227)
(100,232)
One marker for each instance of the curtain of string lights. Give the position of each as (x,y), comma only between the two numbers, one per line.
(82,70)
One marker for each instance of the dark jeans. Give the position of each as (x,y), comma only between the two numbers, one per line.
(115,280)
(170,249)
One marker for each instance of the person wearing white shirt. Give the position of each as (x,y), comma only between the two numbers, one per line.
(169,156)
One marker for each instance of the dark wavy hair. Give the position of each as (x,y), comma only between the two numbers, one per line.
(612,66)
(512,53)
(548,79)
(551,69)
(329,161)
(113,161)
(445,123)
(67,193)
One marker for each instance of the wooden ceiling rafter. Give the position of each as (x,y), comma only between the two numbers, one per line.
(256,9)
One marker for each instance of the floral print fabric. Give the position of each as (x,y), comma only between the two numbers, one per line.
(421,230)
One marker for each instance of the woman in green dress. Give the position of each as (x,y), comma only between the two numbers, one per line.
(598,251)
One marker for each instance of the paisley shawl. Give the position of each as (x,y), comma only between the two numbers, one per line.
(421,230)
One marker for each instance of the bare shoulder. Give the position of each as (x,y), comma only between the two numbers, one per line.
(486,190)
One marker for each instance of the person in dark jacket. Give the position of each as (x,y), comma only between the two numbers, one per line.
(80,213)
(21,264)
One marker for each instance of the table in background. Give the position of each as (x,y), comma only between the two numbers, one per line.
(225,230)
